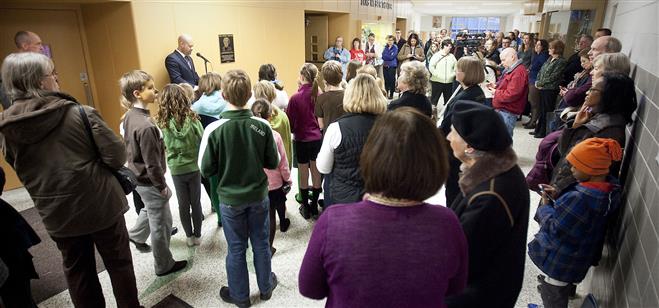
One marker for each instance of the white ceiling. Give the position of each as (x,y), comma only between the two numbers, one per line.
(467,7)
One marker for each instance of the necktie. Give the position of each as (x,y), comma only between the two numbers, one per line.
(189,60)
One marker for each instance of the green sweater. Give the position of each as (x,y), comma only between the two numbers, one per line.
(551,74)
(182,145)
(236,148)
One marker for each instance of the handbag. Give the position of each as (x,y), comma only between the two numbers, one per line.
(126,177)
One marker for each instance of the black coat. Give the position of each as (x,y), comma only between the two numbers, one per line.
(409,99)
(494,216)
(572,67)
(179,71)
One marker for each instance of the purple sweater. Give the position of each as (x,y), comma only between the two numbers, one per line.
(300,111)
(370,255)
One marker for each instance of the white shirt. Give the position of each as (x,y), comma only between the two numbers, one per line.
(186,61)
(331,141)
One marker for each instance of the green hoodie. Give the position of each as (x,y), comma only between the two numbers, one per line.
(182,145)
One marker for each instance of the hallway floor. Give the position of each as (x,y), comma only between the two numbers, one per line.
(199,283)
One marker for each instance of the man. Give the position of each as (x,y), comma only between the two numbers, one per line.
(505,43)
(338,53)
(604,44)
(179,64)
(373,54)
(519,39)
(602,32)
(511,89)
(226,44)
(513,39)
(26,41)
(433,38)
(573,65)
(400,41)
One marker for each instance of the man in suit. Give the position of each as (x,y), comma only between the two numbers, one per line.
(179,64)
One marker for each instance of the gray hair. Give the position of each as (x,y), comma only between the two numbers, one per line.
(22,74)
(613,62)
(415,75)
(612,44)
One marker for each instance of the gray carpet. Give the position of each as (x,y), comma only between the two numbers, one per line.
(48,261)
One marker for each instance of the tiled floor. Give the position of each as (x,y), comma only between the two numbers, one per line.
(199,283)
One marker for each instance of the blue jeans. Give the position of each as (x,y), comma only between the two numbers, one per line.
(509,119)
(240,222)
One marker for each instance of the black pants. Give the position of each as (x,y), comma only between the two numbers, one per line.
(547,105)
(389,80)
(277,199)
(79,264)
(439,89)
(137,200)
(16,291)
(452,187)
(553,296)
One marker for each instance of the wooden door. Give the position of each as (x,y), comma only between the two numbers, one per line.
(315,34)
(59,30)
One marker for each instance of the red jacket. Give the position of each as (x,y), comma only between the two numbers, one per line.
(512,90)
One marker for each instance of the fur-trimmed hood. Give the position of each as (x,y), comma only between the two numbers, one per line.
(486,167)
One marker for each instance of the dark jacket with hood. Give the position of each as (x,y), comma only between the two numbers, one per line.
(45,141)
(493,209)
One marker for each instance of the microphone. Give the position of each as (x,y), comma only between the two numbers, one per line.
(200,56)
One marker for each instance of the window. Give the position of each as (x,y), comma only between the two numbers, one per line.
(474,24)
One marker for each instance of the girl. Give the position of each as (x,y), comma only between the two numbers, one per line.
(356,53)
(182,133)
(278,178)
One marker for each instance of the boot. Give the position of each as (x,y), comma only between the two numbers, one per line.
(304,206)
(314,202)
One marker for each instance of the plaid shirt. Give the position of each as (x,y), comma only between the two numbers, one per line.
(571,231)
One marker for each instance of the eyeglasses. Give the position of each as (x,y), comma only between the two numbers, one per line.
(53,73)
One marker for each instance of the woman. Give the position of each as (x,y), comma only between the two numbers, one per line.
(351,71)
(390,58)
(411,51)
(370,70)
(526,51)
(352,265)
(547,83)
(442,70)
(540,56)
(607,109)
(493,207)
(269,73)
(492,51)
(469,73)
(412,83)
(211,104)
(572,96)
(356,53)
(345,138)
(278,119)
(610,62)
(307,136)
(434,48)
(80,202)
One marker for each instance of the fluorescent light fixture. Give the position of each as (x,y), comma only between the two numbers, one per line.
(494,3)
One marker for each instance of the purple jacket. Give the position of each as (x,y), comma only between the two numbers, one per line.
(300,111)
(543,166)
(369,255)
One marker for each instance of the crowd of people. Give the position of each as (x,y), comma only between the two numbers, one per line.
(373,159)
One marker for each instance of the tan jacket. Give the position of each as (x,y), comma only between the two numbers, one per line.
(404,53)
(46,143)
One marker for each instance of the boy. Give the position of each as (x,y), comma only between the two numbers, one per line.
(572,228)
(329,107)
(236,148)
(146,158)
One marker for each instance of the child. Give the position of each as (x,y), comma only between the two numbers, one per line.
(237,148)
(572,228)
(308,139)
(146,158)
(182,133)
(277,177)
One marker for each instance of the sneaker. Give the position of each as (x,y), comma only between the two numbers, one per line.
(178,265)
(284,224)
(196,240)
(225,295)
(267,296)
(141,247)
(189,241)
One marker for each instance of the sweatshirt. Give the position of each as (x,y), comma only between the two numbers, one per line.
(277,177)
(145,148)
(182,145)
(236,148)
(210,105)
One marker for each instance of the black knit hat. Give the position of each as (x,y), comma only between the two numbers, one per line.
(480,126)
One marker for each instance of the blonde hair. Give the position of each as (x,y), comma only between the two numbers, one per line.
(364,96)
(370,70)
(189,90)
(236,87)
(415,75)
(309,72)
(473,70)
(130,82)
(209,83)
(332,72)
(174,104)
(266,90)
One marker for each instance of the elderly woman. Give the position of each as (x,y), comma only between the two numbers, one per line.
(493,207)
(547,83)
(81,203)
(412,84)
(345,138)
(610,62)
(607,109)
(469,73)
(366,254)
(412,51)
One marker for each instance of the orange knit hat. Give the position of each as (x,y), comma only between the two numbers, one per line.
(593,156)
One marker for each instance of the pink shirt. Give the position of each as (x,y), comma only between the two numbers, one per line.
(277,177)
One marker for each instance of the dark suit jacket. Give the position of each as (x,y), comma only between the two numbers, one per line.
(179,71)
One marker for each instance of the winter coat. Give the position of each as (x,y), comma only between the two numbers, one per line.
(406,50)
(536,64)
(512,90)
(442,67)
(47,144)
(409,99)
(390,56)
(493,209)
(182,145)
(551,74)
(545,161)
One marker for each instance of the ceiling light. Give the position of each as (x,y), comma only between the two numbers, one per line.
(496,3)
